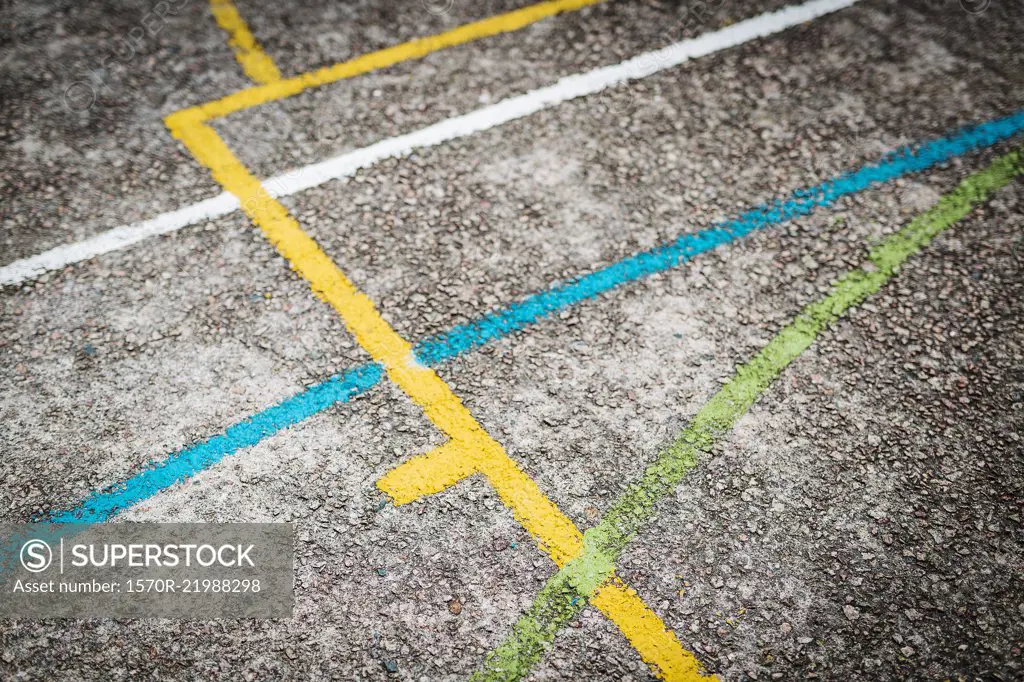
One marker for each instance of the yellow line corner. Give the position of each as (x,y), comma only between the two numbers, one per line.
(470,449)
(280,88)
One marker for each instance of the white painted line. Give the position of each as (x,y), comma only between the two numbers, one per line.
(117,238)
(491,116)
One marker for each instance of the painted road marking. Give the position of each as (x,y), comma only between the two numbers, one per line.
(256,63)
(389,56)
(187,462)
(564,90)
(470,449)
(507,110)
(564,595)
(457,459)
(117,238)
(656,644)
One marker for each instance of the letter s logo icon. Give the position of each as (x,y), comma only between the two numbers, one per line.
(36,556)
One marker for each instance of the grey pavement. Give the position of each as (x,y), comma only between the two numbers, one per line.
(863,521)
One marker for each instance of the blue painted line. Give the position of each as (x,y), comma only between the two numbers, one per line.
(191,460)
(458,340)
(435,350)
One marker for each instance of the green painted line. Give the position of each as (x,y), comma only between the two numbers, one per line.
(565,594)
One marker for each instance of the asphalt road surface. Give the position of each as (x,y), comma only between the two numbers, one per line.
(748,308)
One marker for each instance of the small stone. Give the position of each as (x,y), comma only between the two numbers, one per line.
(851,613)
(907,651)
(392,666)
(455,606)
(786,628)
(290,653)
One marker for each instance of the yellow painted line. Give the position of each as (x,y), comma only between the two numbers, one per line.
(470,449)
(656,644)
(473,451)
(256,63)
(428,474)
(413,49)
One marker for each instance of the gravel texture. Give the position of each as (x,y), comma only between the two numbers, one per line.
(863,521)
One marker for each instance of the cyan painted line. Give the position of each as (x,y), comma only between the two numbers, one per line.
(191,460)
(566,593)
(435,350)
(523,313)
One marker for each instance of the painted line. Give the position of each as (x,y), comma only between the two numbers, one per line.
(566,89)
(466,337)
(256,63)
(636,620)
(382,59)
(376,336)
(513,108)
(470,449)
(182,465)
(117,238)
(566,593)
(656,643)
(179,466)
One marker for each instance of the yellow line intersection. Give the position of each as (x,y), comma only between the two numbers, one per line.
(389,56)
(469,449)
